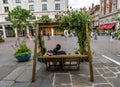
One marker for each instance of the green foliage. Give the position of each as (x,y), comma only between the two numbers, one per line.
(117,34)
(77,21)
(19,18)
(22,50)
(44,20)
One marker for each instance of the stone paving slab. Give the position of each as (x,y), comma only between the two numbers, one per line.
(5,70)
(114,69)
(26,76)
(24,84)
(103,85)
(99,80)
(43,78)
(6,83)
(61,79)
(13,75)
(81,80)
(114,81)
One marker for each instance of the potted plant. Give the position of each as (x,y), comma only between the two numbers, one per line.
(19,19)
(23,53)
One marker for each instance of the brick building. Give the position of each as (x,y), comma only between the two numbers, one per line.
(108,14)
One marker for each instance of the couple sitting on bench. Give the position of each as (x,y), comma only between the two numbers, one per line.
(56,51)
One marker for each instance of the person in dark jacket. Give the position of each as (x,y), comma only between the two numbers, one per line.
(56,51)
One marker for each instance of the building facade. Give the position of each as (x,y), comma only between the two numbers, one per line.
(94,12)
(108,14)
(39,8)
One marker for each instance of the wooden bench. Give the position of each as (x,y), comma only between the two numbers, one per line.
(63,59)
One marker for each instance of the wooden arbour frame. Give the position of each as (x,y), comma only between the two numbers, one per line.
(39,27)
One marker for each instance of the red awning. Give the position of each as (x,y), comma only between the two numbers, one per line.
(106,26)
(102,26)
(109,26)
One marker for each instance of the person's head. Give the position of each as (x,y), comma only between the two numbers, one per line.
(58,47)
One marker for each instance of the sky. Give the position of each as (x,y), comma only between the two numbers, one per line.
(83,3)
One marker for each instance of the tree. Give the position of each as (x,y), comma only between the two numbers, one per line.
(19,18)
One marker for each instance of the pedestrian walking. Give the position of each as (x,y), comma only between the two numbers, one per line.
(91,35)
(48,35)
(111,36)
(95,36)
(30,36)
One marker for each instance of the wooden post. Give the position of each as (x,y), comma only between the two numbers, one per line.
(89,54)
(35,55)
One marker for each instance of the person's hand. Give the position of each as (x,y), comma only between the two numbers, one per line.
(50,54)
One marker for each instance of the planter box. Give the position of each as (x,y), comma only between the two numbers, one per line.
(23,58)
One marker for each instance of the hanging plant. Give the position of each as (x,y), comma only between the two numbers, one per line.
(77,21)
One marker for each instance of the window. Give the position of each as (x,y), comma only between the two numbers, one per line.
(113,19)
(57,6)
(57,0)
(31,7)
(18,6)
(44,6)
(6,9)
(30,0)
(5,1)
(18,1)
(43,0)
